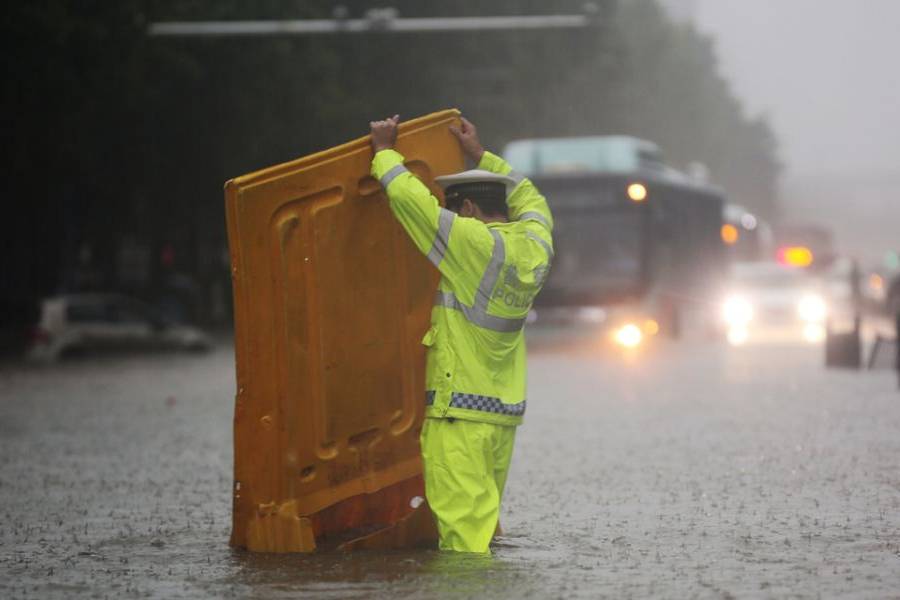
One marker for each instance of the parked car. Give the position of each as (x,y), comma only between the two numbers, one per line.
(106,322)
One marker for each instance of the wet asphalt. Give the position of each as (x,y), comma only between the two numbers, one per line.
(693,470)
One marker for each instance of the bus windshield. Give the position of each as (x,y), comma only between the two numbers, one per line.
(598,240)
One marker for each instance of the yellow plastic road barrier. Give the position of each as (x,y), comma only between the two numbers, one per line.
(331,300)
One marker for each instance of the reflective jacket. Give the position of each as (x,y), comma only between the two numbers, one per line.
(490,274)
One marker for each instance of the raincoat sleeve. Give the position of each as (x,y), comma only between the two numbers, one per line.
(455,245)
(525,202)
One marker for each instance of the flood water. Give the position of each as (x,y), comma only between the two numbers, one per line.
(693,471)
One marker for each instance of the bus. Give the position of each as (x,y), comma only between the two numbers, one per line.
(638,244)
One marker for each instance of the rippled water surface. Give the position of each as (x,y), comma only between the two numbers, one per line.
(695,471)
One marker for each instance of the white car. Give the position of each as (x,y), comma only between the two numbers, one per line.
(106,322)
(771,302)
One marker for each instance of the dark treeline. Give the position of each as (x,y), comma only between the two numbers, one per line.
(120,143)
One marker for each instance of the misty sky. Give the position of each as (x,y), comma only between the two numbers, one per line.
(826,71)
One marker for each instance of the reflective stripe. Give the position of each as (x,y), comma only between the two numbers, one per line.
(501,324)
(535,216)
(448,300)
(478,313)
(487,404)
(482,319)
(541,241)
(516,176)
(442,237)
(388,177)
(491,273)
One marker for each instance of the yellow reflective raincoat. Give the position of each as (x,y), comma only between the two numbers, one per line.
(476,362)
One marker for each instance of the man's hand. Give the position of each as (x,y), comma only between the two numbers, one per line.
(384,133)
(468,139)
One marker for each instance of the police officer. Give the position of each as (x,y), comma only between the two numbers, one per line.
(493,246)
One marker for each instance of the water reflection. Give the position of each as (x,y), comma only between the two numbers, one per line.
(368,573)
(451,574)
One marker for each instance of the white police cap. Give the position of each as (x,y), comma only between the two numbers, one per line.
(475,176)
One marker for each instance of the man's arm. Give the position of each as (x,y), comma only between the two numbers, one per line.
(418,211)
(411,202)
(525,202)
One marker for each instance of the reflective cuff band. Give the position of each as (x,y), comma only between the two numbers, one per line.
(535,216)
(487,404)
(477,317)
(388,177)
(516,176)
(442,237)
(547,248)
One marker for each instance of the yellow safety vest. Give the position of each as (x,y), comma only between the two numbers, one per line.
(490,274)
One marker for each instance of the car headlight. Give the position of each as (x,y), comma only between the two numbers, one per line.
(738,335)
(737,311)
(812,309)
(629,336)
(813,332)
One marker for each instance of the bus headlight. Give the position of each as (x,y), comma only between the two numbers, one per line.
(637,192)
(629,336)
(737,311)
(812,309)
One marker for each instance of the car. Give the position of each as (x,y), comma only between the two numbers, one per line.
(76,323)
(768,301)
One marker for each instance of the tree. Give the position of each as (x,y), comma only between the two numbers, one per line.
(120,138)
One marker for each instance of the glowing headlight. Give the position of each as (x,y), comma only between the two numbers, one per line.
(629,336)
(813,332)
(737,311)
(737,336)
(637,192)
(812,308)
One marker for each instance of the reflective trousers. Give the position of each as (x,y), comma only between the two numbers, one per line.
(466,464)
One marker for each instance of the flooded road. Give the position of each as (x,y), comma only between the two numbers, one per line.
(695,471)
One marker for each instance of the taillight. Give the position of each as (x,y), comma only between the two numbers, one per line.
(39,335)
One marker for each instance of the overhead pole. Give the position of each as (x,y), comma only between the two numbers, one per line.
(377,20)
